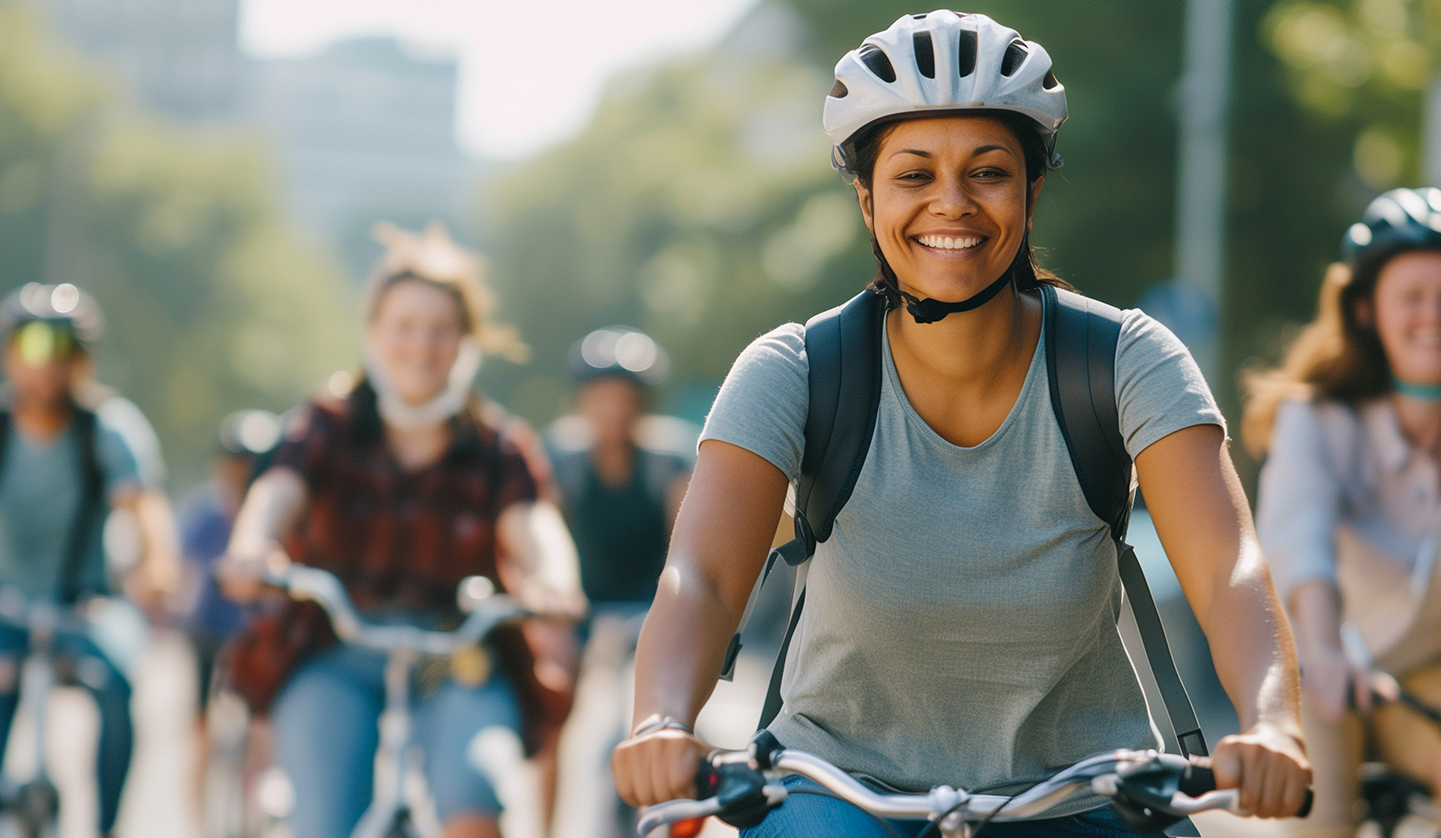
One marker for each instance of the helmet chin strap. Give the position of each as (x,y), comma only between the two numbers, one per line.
(444,405)
(932,310)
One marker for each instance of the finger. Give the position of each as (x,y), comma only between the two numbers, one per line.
(1226,766)
(1361,687)
(1272,785)
(620,771)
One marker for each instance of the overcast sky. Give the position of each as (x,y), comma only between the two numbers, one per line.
(531,72)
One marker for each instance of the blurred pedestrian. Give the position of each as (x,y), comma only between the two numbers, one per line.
(67,465)
(621,473)
(402,489)
(1349,505)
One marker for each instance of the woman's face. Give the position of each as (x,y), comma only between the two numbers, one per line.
(947,203)
(415,337)
(1407,315)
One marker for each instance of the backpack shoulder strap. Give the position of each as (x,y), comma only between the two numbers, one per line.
(843,355)
(843,350)
(1081,339)
(92,498)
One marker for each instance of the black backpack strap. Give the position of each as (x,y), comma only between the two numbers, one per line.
(843,355)
(92,499)
(1081,339)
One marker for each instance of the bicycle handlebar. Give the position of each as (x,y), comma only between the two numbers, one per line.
(1145,786)
(488,610)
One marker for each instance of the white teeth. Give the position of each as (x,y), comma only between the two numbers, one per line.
(948,242)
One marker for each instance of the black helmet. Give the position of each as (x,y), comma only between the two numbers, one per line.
(1397,221)
(621,352)
(249,433)
(60,305)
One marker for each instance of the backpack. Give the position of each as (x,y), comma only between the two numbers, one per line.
(92,496)
(844,350)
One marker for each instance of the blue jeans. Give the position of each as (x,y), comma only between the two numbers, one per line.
(809,814)
(326,737)
(100,677)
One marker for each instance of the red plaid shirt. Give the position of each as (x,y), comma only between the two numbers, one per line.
(399,538)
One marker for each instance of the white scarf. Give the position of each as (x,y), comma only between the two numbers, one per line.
(446,404)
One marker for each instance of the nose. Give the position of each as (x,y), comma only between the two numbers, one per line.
(953,198)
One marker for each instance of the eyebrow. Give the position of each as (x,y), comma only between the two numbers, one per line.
(979,150)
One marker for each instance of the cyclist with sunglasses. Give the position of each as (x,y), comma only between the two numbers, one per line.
(68,458)
(960,620)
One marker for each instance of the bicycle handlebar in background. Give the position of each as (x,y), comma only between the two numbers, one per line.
(485,611)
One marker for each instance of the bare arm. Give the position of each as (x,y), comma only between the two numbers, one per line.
(272,507)
(1200,513)
(157,574)
(722,535)
(538,560)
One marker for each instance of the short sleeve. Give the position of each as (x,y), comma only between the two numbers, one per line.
(117,460)
(516,482)
(308,435)
(124,418)
(762,405)
(1298,500)
(1159,388)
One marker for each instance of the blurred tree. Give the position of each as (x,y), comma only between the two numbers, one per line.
(212,304)
(699,204)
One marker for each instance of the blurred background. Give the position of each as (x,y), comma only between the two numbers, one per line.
(211,171)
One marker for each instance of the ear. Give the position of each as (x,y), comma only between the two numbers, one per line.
(1035,196)
(864,196)
(1365,313)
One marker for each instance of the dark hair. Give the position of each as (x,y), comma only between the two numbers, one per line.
(1026,273)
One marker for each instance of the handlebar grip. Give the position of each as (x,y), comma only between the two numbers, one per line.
(707,780)
(1199,779)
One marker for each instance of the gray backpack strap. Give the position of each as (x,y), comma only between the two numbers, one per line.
(1081,339)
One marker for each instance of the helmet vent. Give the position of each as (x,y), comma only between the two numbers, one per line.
(839,91)
(1050,82)
(1015,54)
(967,53)
(925,54)
(872,56)
(918,17)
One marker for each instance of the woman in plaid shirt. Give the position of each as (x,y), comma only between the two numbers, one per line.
(402,488)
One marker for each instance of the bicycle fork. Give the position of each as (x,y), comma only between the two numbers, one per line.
(389,811)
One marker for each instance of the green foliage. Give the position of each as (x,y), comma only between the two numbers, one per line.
(211,303)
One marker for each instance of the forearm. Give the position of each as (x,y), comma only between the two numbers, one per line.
(160,542)
(539,562)
(271,508)
(1252,646)
(682,647)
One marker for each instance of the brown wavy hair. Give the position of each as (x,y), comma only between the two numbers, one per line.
(1337,356)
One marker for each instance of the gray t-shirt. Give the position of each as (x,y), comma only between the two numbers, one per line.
(40,493)
(960,623)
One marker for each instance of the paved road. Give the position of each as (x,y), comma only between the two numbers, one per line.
(158,802)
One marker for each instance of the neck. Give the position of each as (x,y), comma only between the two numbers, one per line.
(420,446)
(42,419)
(613,460)
(972,348)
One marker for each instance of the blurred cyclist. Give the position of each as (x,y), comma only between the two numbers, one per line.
(621,474)
(402,489)
(66,466)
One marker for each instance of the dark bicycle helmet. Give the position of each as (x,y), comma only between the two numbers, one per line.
(619,351)
(1397,221)
(61,305)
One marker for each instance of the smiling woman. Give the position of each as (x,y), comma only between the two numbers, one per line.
(959,624)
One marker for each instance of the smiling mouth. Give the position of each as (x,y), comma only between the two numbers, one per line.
(949,243)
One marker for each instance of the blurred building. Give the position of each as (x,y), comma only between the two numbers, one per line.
(180,57)
(366,131)
(363,131)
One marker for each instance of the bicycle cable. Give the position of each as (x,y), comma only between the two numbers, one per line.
(820,793)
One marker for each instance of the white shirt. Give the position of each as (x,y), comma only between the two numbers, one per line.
(1345,498)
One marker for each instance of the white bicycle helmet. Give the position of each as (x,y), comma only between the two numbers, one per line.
(938,62)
